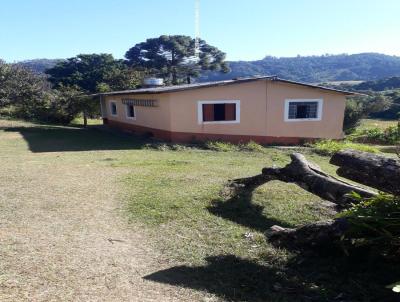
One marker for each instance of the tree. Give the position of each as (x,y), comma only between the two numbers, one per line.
(175,59)
(20,86)
(88,74)
(28,95)
(361,107)
(393,112)
(67,102)
(93,73)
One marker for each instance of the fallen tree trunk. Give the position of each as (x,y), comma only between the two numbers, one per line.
(311,178)
(369,169)
(318,234)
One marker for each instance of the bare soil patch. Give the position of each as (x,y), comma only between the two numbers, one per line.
(63,236)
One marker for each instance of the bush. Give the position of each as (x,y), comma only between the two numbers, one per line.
(24,94)
(220,146)
(251,146)
(329,147)
(361,107)
(59,106)
(354,112)
(374,222)
(390,135)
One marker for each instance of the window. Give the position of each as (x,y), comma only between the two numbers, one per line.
(303,110)
(130,111)
(113,109)
(222,112)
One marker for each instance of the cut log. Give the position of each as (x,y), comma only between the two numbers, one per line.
(318,234)
(370,169)
(311,178)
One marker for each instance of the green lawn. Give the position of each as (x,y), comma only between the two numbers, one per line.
(177,193)
(376,123)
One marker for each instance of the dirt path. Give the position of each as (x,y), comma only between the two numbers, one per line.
(63,237)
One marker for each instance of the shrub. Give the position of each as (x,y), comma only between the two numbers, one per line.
(374,222)
(329,147)
(390,135)
(354,112)
(221,146)
(159,146)
(360,107)
(251,146)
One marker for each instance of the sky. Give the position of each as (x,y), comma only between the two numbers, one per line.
(244,29)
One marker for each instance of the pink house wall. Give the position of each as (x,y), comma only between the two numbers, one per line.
(262,108)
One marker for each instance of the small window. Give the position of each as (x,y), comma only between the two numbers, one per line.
(130,111)
(219,112)
(303,110)
(113,106)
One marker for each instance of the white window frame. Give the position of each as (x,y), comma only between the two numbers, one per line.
(200,111)
(116,107)
(319,110)
(127,111)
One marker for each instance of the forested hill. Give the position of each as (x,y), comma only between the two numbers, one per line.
(379,85)
(39,65)
(315,69)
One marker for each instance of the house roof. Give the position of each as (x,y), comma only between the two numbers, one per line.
(167,89)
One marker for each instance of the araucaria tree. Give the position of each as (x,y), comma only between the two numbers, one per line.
(175,58)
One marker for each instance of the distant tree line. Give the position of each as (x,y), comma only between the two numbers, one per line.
(311,69)
(315,69)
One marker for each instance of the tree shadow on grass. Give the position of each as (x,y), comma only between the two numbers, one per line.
(239,207)
(43,138)
(229,277)
(303,278)
(309,275)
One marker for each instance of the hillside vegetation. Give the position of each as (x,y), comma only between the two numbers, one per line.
(379,85)
(315,69)
(343,67)
(39,65)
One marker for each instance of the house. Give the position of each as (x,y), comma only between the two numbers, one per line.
(263,109)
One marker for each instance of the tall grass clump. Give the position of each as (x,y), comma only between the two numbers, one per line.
(251,146)
(220,146)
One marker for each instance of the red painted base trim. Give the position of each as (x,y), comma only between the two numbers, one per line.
(185,137)
(152,132)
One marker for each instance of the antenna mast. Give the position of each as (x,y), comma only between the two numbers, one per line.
(197,28)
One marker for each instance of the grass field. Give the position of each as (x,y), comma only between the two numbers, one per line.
(375,123)
(213,243)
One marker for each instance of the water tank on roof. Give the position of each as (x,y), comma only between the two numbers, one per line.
(153,82)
